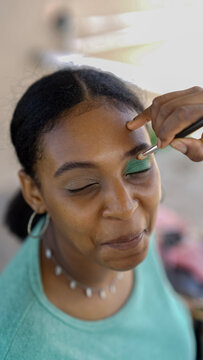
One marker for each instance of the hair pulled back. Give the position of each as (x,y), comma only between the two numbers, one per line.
(41,108)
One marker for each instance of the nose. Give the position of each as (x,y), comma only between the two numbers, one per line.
(119,202)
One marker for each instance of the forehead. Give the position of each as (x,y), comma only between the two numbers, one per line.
(92,134)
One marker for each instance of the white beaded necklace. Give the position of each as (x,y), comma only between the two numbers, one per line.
(73,284)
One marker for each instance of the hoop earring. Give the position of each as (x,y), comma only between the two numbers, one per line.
(29,225)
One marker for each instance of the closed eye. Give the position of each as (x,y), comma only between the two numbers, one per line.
(82,188)
(138,172)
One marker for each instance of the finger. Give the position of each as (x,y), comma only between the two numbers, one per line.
(192,148)
(159,101)
(167,108)
(140,119)
(152,111)
(180,119)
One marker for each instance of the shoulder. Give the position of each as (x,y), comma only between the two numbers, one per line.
(16,296)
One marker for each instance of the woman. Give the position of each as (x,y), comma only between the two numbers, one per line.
(87,283)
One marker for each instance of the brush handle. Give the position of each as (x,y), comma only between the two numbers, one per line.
(190,129)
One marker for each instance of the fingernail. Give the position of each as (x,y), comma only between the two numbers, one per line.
(128,124)
(158,142)
(178,145)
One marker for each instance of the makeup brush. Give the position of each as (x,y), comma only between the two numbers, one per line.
(189,130)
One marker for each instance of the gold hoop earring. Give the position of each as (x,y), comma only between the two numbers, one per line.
(29,225)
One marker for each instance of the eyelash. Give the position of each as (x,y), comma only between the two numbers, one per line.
(90,185)
(82,188)
(138,172)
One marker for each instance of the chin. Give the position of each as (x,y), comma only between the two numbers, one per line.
(129,261)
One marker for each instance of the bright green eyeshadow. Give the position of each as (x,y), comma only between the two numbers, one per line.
(136,165)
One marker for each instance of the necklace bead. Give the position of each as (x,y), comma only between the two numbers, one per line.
(88,292)
(72,284)
(120,276)
(48,253)
(58,270)
(102,294)
(112,289)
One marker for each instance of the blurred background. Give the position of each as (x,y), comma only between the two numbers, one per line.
(154,44)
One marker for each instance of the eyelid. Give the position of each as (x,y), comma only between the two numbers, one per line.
(139,172)
(82,188)
(137,166)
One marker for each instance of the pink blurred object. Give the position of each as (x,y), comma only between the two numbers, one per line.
(168,220)
(186,252)
(189,257)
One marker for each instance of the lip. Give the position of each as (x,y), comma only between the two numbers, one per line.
(125,242)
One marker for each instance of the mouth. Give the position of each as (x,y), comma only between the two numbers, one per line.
(125,242)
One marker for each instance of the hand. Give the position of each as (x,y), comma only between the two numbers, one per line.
(171,113)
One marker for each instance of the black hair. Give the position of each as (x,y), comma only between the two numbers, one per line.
(40,109)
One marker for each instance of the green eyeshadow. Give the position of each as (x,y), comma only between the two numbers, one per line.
(136,165)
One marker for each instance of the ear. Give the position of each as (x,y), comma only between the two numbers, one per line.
(31,192)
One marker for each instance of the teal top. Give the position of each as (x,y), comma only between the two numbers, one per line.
(153,324)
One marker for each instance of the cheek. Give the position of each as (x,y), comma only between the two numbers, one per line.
(155,186)
(70,222)
(157,183)
(155,196)
(150,196)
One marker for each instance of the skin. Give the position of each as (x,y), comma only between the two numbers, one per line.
(116,205)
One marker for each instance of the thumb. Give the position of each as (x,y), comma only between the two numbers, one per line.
(192,148)
(140,119)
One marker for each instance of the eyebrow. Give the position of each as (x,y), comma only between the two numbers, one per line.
(90,165)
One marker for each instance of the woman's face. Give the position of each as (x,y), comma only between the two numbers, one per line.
(100,212)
